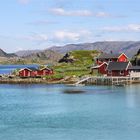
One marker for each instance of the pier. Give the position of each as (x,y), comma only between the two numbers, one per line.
(109,80)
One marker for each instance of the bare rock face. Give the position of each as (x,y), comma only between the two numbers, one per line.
(66,58)
(24,53)
(4,54)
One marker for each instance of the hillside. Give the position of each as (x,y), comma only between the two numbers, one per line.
(24,53)
(80,57)
(82,60)
(44,57)
(128,47)
(136,59)
(4,54)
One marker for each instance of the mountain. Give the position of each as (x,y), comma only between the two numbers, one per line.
(24,53)
(55,53)
(30,57)
(43,57)
(128,47)
(4,54)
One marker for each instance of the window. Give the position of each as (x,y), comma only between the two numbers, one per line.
(109,72)
(121,72)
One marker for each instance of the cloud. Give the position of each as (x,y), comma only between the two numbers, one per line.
(71,36)
(102,14)
(24,2)
(127,28)
(84,13)
(42,22)
(60,37)
(66,35)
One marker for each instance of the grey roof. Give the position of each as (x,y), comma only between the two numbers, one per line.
(134,68)
(117,66)
(46,68)
(108,56)
(32,68)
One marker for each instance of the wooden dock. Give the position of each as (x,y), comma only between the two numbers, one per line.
(109,80)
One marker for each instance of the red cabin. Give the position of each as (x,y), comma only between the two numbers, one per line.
(100,68)
(28,72)
(118,68)
(44,71)
(34,72)
(111,58)
(104,61)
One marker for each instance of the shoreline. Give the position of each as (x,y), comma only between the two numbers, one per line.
(33,81)
(17,80)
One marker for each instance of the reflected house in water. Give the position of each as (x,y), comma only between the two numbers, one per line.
(35,72)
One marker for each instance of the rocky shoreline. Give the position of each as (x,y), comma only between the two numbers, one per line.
(17,80)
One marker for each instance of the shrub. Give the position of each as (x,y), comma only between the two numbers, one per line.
(54,77)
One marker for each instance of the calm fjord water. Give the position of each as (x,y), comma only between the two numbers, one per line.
(44,112)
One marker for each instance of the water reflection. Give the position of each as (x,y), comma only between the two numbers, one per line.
(133,96)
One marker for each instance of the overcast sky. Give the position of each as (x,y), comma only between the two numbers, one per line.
(39,24)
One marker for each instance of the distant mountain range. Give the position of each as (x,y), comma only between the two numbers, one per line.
(51,54)
(128,47)
(24,53)
(46,56)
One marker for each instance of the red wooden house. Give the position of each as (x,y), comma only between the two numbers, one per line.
(118,68)
(44,71)
(100,68)
(105,61)
(34,72)
(111,58)
(28,72)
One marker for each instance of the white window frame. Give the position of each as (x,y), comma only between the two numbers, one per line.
(109,72)
(121,72)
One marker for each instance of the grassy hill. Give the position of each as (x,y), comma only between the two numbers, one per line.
(83,59)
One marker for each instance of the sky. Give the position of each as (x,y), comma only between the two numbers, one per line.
(39,24)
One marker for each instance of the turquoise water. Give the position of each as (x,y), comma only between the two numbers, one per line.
(44,112)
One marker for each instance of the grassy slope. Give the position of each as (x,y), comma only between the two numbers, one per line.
(83,60)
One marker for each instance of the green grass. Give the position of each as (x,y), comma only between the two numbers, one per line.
(56,76)
(83,59)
